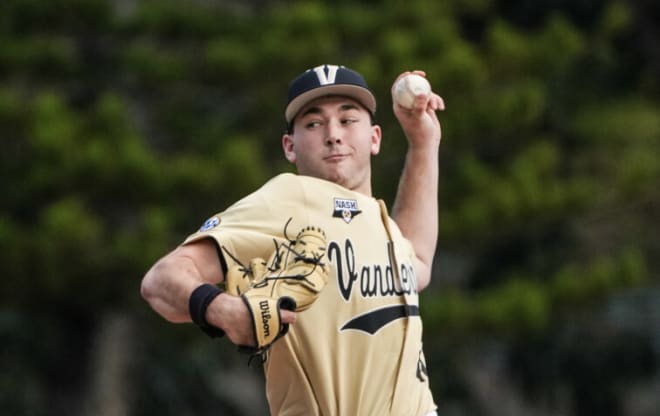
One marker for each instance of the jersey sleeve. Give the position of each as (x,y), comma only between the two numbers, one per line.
(253,226)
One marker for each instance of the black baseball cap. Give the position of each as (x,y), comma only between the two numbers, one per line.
(327,80)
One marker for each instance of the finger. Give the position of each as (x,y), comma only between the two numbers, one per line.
(421,103)
(438,103)
(288,317)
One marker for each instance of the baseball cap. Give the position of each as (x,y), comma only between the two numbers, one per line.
(327,80)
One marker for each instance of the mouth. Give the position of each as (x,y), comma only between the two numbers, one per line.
(336,157)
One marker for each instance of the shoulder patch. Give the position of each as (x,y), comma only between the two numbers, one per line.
(345,209)
(210,224)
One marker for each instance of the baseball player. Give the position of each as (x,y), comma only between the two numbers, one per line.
(311,272)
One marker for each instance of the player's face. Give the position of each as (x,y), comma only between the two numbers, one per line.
(333,139)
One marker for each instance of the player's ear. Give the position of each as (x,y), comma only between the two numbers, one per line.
(376,137)
(287,146)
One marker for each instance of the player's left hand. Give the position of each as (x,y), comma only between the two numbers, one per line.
(230,313)
(420,124)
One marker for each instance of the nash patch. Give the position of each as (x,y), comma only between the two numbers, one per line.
(345,209)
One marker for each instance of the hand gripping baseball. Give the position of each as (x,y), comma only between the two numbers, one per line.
(292,279)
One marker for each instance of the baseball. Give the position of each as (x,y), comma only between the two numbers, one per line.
(408,87)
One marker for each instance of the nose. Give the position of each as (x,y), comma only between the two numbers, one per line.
(330,140)
(333,134)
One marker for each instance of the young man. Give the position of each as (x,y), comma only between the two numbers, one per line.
(357,350)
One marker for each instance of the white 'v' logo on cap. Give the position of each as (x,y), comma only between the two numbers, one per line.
(330,77)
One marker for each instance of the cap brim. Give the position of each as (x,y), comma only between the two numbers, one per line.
(358,93)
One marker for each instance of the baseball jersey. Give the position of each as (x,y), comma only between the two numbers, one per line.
(358,349)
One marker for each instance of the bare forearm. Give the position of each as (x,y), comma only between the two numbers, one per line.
(415,208)
(167,287)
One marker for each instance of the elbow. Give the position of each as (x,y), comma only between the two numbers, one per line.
(422,274)
(422,283)
(152,290)
(148,286)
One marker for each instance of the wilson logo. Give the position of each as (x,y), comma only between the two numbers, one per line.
(265,317)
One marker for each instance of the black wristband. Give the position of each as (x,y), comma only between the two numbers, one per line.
(199,301)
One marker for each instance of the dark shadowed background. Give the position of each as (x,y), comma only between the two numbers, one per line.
(125,124)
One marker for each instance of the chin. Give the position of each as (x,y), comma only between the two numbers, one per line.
(345,182)
(334,177)
(337,178)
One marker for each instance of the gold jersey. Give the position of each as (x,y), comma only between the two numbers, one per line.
(358,349)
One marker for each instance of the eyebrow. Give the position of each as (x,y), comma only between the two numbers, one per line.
(317,110)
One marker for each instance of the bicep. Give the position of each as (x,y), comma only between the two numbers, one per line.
(206,258)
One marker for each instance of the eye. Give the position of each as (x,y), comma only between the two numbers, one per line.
(312,124)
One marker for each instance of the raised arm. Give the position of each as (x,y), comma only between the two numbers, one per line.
(415,207)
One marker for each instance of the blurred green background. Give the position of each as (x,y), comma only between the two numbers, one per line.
(126,123)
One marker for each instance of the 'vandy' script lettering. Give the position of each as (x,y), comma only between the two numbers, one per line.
(372,280)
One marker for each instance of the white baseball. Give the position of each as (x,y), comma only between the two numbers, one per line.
(409,87)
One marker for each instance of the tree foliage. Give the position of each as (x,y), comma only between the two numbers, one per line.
(125,124)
